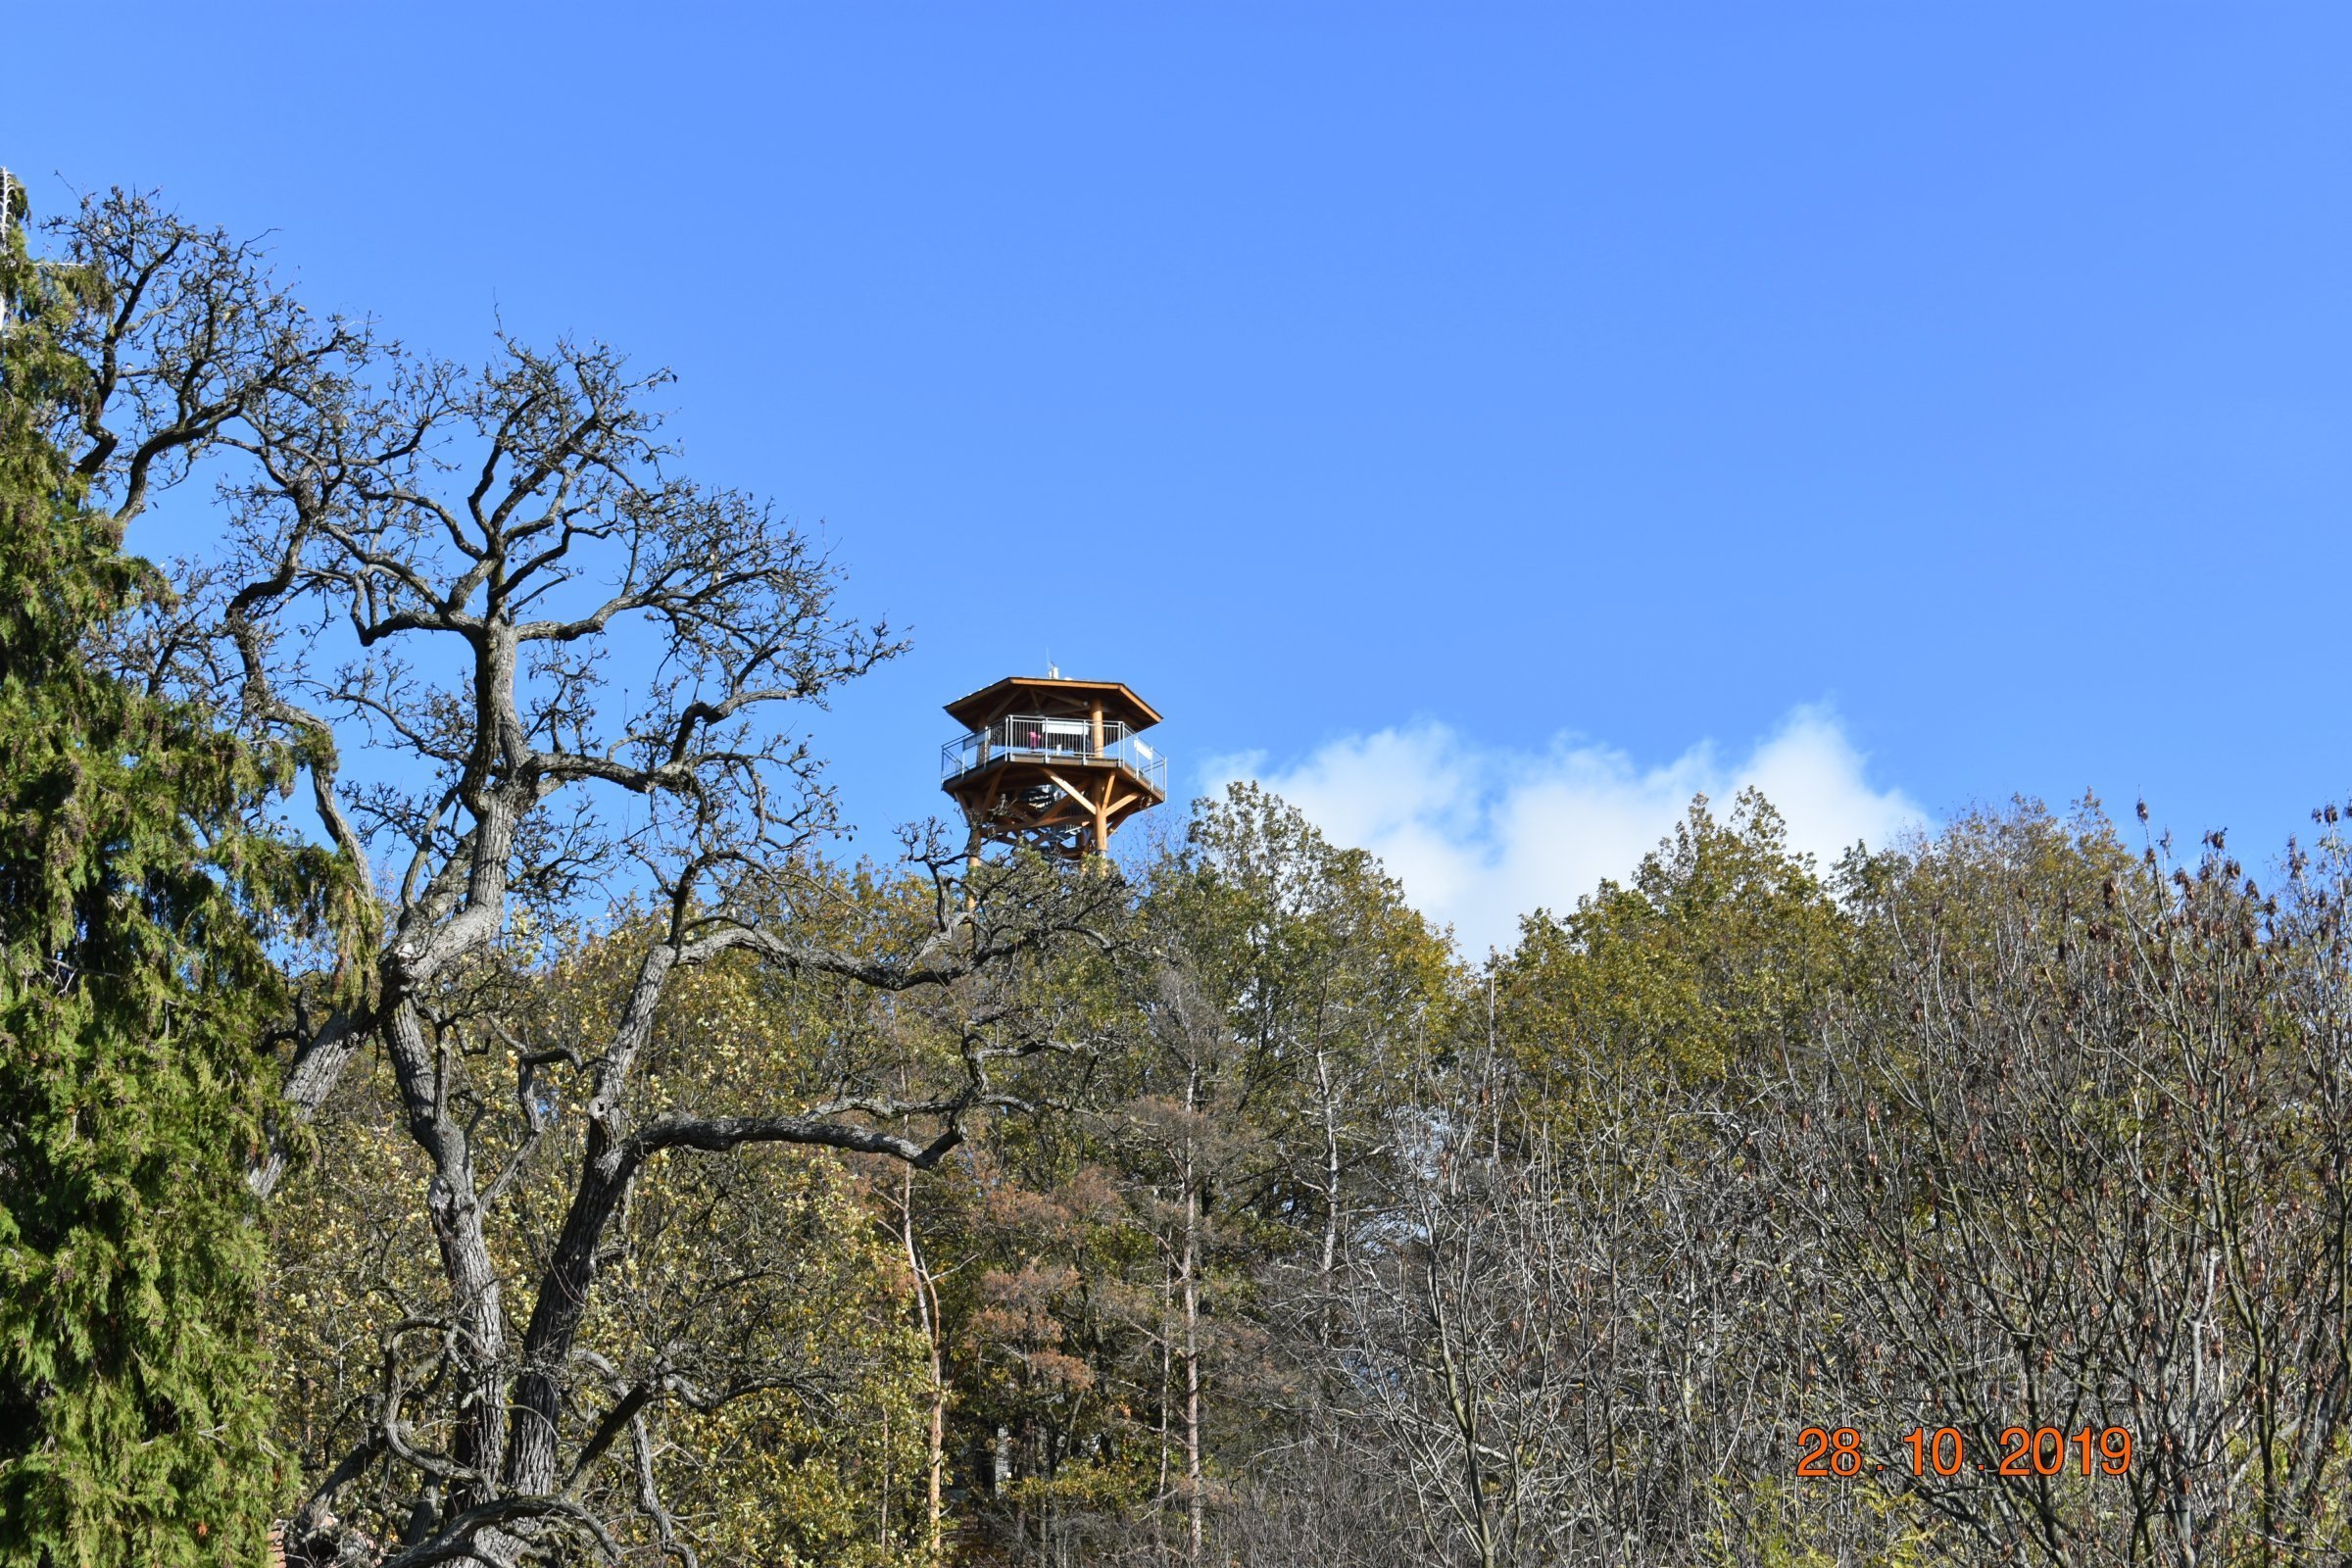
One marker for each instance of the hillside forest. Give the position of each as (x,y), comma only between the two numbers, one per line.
(457,1106)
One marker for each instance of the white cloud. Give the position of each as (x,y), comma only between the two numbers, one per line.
(1481,835)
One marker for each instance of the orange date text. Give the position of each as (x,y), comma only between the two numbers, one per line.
(1836,1452)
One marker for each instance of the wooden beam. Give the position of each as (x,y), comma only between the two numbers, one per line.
(1068,787)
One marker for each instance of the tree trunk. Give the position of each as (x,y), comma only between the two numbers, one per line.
(455,1209)
(1189,1280)
(556,1318)
(926,1315)
(1167,1365)
(1330,1163)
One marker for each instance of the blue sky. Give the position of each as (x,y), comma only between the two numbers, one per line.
(1509,393)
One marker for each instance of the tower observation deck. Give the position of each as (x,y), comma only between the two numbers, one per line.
(1051,764)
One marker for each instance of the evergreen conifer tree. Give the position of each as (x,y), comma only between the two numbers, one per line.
(135,978)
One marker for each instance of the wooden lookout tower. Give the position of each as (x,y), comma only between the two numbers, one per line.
(1051,764)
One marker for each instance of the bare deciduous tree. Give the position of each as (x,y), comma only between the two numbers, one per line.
(441,571)
(2082,1165)
(1584,1350)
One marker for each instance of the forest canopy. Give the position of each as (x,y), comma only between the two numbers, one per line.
(457,1105)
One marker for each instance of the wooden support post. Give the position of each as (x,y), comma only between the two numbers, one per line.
(971,857)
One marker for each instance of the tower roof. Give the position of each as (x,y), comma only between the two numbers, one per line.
(1051,695)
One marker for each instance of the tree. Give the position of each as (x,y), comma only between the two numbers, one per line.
(1283,1001)
(137,912)
(2085,1164)
(793,1427)
(1717,952)
(1333,984)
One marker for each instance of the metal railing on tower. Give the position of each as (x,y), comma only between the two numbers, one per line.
(1034,737)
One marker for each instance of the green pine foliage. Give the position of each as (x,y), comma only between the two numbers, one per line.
(135,970)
